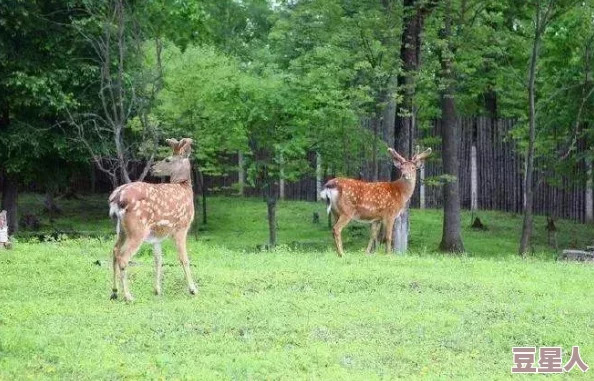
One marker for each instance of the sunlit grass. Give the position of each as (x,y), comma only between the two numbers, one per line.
(292,313)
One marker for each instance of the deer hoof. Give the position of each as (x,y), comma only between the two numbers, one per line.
(114,296)
(193,290)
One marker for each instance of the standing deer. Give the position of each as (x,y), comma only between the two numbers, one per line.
(375,203)
(152,212)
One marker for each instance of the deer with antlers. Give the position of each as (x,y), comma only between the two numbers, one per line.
(376,203)
(152,212)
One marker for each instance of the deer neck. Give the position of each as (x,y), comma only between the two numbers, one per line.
(183,178)
(405,186)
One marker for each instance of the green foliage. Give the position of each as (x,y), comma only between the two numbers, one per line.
(40,74)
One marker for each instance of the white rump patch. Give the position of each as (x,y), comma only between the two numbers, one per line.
(115,211)
(331,198)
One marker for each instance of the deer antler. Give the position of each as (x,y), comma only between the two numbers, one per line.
(421,156)
(173,143)
(185,146)
(396,155)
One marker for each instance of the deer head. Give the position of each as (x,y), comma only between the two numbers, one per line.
(408,168)
(177,166)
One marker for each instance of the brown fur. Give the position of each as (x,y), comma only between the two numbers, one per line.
(153,212)
(377,203)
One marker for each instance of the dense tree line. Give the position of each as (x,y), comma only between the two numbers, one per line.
(105,81)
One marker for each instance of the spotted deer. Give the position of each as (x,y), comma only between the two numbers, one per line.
(152,212)
(375,203)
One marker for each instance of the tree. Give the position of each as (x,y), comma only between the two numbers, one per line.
(122,127)
(544,13)
(451,240)
(404,123)
(39,74)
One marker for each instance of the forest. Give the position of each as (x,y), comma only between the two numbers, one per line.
(95,86)
(471,119)
(102,84)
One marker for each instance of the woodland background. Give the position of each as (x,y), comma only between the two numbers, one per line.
(282,95)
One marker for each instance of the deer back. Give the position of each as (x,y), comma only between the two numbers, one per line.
(162,208)
(369,201)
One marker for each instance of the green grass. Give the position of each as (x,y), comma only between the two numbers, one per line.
(291,313)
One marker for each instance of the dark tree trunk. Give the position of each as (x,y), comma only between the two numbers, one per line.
(271,197)
(490,97)
(451,240)
(410,54)
(9,202)
(374,160)
(271,206)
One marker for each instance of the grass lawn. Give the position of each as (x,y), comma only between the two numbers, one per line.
(298,312)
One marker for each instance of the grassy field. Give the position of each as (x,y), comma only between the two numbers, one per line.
(297,312)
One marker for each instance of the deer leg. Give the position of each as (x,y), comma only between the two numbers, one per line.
(389,226)
(180,242)
(343,221)
(127,251)
(375,228)
(116,253)
(158,256)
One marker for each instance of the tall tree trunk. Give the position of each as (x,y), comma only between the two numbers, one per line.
(271,200)
(240,173)
(281,182)
(9,202)
(473,179)
(451,240)
(589,191)
(374,144)
(529,165)
(422,199)
(403,133)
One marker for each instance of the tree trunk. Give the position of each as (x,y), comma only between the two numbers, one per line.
(318,175)
(271,206)
(529,165)
(281,185)
(589,191)
(451,240)
(240,174)
(374,160)
(9,202)
(410,54)
(400,232)
(473,180)
(422,200)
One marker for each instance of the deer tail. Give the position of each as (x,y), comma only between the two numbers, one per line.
(330,195)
